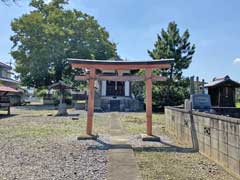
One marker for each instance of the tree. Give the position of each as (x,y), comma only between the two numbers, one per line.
(170,44)
(48,35)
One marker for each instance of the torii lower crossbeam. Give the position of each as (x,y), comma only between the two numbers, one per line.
(93,65)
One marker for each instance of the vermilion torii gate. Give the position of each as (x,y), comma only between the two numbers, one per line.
(119,66)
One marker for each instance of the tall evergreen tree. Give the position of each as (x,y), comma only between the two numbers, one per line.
(171,44)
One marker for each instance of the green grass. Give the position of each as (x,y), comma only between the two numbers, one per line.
(41,129)
(36,124)
(238,104)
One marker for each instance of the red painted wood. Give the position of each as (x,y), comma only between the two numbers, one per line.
(121,66)
(92,66)
(120,78)
(90,101)
(149,101)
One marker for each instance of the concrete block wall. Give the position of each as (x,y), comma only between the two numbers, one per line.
(214,136)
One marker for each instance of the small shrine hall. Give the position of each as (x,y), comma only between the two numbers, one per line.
(118,82)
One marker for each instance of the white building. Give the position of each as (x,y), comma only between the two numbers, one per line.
(115,95)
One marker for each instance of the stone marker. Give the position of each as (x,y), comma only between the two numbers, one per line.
(201,102)
(187,105)
(62,110)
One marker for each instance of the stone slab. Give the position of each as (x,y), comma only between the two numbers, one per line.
(122,163)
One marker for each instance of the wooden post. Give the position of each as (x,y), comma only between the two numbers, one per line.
(203,83)
(90,101)
(149,101)
(192,85)
(8,109)
(197,82)
(219,97)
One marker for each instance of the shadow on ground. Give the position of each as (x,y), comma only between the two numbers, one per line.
(36,107)
(3,116)
(165,147)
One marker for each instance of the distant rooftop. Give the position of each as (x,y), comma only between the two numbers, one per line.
(218,81)
(7,89)
(5,66)
(8,80)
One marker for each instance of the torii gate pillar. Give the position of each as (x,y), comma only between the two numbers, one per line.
(91,101)
(149,101)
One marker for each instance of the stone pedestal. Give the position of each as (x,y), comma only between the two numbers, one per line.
(62,110)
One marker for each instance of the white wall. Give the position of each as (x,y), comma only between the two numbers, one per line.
(127,88)
(104,85)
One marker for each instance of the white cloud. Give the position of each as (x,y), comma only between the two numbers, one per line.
(47,1)
(236,61)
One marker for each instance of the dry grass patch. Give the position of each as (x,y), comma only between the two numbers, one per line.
(135,123)
(179,166)
(167,161)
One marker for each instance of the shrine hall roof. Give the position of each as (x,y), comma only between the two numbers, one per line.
(221,81)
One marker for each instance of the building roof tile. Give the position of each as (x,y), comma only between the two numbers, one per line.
(7,89)
(220,80)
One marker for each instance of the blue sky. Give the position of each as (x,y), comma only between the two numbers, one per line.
(133,24)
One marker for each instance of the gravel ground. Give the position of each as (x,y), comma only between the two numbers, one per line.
(34,146)
(48,159)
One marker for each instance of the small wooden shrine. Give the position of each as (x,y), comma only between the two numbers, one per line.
(222,91)
(61,87)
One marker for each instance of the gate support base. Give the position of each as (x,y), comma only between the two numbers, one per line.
(153,138)
(87,137)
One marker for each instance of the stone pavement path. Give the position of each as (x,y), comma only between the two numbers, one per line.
(122,162)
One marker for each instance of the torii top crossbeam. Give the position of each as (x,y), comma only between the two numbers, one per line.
(120,65)
(92,65)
